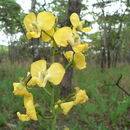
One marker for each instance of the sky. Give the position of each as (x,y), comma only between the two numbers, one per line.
(26,5)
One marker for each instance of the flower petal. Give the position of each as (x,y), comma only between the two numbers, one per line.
(64,36)
(80,47)
(79,60)
(69,55)
(28,20)
(32,35)
(23,117)
(36,81)
(87,29)
(80,97)
(20,89)
(75,21)
(66,107)
(47,38)
(55,73)
(38,67)
(46,20)
(29,105)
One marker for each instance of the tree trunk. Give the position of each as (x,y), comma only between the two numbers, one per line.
(103,58)
(108,56)
(66,85)
(35,41)
(35,49)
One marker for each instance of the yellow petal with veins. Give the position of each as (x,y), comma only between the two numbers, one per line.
(28,20)
(55,73)
(66,107)
(46,20)
(38,67)
(75,21)
(79,60)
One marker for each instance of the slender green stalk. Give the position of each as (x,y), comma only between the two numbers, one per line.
(47,91)
(53,109)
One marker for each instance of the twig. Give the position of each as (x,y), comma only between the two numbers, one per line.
(117,83)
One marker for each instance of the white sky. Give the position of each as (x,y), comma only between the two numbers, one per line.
(26,5)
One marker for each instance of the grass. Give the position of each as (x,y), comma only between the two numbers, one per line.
(108,107)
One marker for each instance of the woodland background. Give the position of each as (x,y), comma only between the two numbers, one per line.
(106,78)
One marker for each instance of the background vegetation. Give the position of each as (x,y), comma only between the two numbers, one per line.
(108,58)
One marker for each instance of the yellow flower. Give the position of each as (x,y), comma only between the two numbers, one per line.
(44,21)
(80,97)
(64,36)
(77,24)
(77,46)
(21,90)
(78,58)
(66,107)
(40,75)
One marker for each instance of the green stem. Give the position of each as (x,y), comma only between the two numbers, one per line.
(54,122)
(26,80)
(53,109)
(68,97)
(68,65)
(47,91)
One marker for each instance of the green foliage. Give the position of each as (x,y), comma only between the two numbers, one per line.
(106,103)
(59,7)
(121,109)
(10,16)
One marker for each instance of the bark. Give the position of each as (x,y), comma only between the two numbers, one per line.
(33,4)
(66,85)
(35,49)
(103,58)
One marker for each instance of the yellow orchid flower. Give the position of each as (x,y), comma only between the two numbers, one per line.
(66,107)
(40,75)
(78,58)
(64,36)
(77,24)
(80,97)
(21,90)
(34,24)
